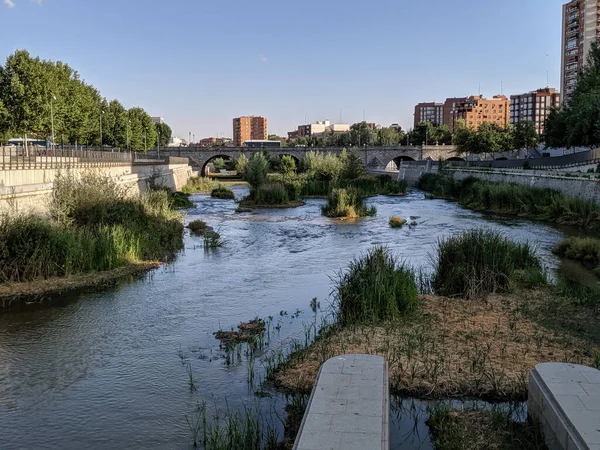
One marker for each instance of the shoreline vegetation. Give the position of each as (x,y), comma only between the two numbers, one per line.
(440,347)
(94,227)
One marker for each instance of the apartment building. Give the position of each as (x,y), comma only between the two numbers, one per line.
(450,111)
(317,128)
(249,128)
(429,112)
(534,107)
(580,29)
(477,110)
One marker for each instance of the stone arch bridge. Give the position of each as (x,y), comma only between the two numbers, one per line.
(377,158)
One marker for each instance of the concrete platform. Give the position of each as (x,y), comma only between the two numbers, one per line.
(565,400)
(349,406)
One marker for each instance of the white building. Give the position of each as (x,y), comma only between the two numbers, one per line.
(177,142)
(157,120)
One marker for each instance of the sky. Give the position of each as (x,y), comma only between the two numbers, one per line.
(200,63)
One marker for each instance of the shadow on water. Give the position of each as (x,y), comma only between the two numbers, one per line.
(103,369)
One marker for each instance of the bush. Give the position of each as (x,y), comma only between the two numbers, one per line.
(179,200)
(346,203)
(272,193)
(212,239)
(375,288)
(199,185)
(219,164)
(198,226)
(257,170)
(397,222)
(581,249)
(480,262)
(223,193)
(287,165)
(241,165)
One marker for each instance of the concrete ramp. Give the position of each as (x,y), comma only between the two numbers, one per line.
(349,406)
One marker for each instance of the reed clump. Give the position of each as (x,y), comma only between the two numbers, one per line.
(346,203)
(514,199)
(200,185)
(397,222)
(586,250)
(95,226)
(222,192)
(375,287)
(480,262)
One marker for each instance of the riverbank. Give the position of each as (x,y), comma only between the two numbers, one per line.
(452,348)
(38,291)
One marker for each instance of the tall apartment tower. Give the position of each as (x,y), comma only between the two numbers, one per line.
(249,128)
(534,107)
(580,28)
(429,112)
(477,110)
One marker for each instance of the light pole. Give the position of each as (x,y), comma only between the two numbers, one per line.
(158,143)
(189,137)
(53,97)
(101,112)
(128,122)
(145,148)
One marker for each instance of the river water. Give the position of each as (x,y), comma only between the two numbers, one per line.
(104,370)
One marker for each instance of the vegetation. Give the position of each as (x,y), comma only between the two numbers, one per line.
(288,165)
(223,193)
(198,226)
(271,193)
(241,165)
(179,200)
(31,87)
(397,222)
(514,199)
(219,164)
(376,287)
(481,262)
(201,185)
(257,170)
(586,250)
(346,203)
(212,239)
(577,123)
(482,429)
(95,226)
(360,134)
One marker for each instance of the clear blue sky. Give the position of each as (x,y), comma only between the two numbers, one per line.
(199,63)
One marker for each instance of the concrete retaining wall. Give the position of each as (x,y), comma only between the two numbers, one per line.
(582,188)
(28,191)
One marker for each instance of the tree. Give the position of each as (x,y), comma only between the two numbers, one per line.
(219,163)
(353,167)
(164,133)
(257,170)
(556,128)
(524,135)
(288,165)
(142,133)
(241,165)
(362,135)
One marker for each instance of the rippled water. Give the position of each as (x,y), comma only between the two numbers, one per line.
(101,370)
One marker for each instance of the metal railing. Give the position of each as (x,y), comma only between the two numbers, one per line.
(17,158)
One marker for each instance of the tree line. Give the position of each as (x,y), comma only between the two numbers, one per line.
(37,95)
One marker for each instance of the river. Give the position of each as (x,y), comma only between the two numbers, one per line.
(102,370)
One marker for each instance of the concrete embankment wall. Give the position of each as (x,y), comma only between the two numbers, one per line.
(29,190)
(585,189)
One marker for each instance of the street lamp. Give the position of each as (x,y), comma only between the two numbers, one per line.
(128,122)
(52,97)
(101,113)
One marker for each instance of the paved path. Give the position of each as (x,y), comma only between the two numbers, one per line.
(565,399)
(349,406)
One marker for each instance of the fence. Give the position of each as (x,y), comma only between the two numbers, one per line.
(17,158)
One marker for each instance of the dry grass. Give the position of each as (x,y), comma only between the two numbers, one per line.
(452,348)
(12,294)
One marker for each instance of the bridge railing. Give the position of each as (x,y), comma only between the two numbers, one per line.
(18,158)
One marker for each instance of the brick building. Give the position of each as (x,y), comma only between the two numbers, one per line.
(249,128)
(534,107)
(477,110)
(429,112)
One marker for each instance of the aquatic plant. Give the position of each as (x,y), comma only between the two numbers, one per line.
(222,192)
(270,193)
(397,222)
(202,185)
(375,287)
(257,170)
(346,203)
(582,249)
(480,262)
(212,239)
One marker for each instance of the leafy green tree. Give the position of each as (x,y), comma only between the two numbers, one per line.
(524,135)
(164,133)
(288,165)
(362,135)
(219,163)
(353,166)
(241,165)
(556,128)
(257,170)
(141,131)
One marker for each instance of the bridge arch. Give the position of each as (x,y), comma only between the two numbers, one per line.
(455,158)
(212,159)
(394,164)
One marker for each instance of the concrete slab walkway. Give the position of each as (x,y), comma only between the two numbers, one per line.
(565,400)
(349,406)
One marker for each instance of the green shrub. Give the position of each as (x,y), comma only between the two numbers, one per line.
(219,163)
(375,288)
(480,262)
(223,193)
(179,200)
(198,226)
(199,185)
(212,239)
(346,203)
(287,165)
(397,222)
(580,249)
(272,193)
(241,165)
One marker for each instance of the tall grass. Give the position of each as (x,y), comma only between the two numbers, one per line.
(95,226)
(375,287)
(346,203)
(222,192)
(480,262)
(202,185)
(515,199)
(270,193)
(586,250)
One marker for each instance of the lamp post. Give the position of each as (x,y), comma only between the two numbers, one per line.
(52,98)
(158,143)
(145,147)
(128,122)
(101,113)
